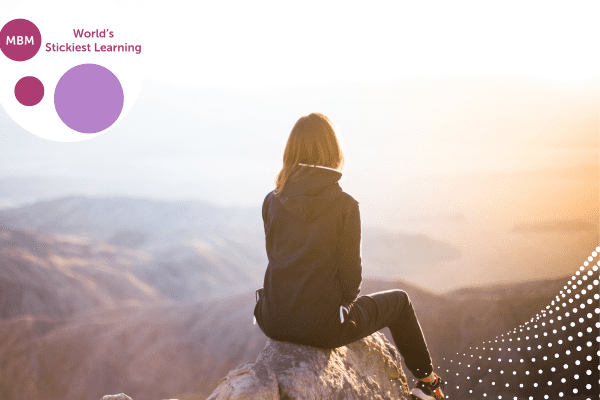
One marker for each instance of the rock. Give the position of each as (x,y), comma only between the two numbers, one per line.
(121,396)
(366,369)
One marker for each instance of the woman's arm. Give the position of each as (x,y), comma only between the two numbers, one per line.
(264,211)
(349,254)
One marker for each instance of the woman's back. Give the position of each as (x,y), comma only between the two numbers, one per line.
(312,232)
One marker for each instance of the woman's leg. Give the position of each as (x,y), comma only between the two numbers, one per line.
(392,309)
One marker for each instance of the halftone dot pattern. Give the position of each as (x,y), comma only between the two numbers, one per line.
(20,39)
(88,98)
(29,91)
(554,355)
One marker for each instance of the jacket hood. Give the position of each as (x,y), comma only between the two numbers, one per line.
(310,191)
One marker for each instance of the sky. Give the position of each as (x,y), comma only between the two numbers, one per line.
(417,88)
(238,43)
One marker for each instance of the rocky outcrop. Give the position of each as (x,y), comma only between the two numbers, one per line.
(120,396)
(366,369)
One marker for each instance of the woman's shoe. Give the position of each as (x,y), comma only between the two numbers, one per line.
(427,390)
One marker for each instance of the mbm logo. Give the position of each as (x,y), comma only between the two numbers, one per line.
(20,39)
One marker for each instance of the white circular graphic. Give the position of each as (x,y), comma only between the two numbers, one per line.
(73,34)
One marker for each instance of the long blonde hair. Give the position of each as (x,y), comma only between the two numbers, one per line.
(313,141)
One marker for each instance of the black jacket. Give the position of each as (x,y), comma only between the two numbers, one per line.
(313,243)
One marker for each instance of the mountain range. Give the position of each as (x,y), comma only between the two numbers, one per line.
(155,299)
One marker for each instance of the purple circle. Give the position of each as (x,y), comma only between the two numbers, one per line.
(29,91)
(88,98)
(20,39)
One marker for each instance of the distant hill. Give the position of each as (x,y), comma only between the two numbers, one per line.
(44,274)
(195,250)
(158,224)
(557,226)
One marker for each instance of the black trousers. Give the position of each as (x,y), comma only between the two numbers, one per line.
(392,309)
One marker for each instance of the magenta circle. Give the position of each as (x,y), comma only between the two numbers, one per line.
(88,98)
(29,91)
(20,39)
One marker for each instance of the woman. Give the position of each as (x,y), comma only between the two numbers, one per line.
(313,243)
